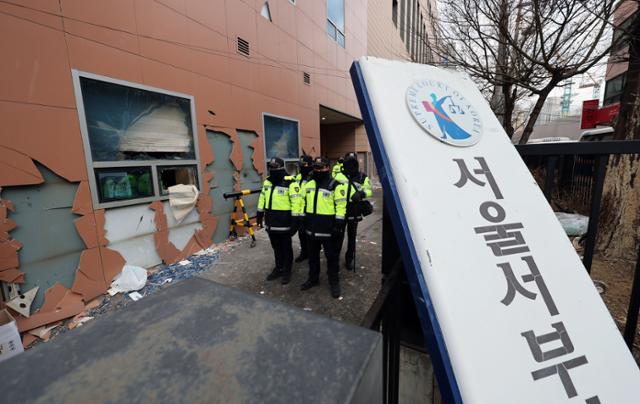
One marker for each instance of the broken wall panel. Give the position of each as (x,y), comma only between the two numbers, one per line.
(12,275)
(45,226)
(166,250)
(17,169)
(223,181)
(68,306)
(181,233)
(130,230)
(82,204)
(89,280)
(250,178)
(48,135)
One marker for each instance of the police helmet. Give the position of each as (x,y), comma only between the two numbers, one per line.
(350,164)
(305,161)
(321,163)
(276,163)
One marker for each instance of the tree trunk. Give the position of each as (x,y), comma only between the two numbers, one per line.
(509,105)
(619,230)
(533,117)
(501,91)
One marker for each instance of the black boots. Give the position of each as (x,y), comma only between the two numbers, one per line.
(286,278)
(301,257)
(335,290)
(308,284)
(275,274)
(349,265)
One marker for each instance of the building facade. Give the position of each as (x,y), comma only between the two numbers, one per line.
(617,65)
(106,105)
(401,29)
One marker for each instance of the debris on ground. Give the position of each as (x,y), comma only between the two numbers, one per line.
(129,280)
(573,223)
(22,303)
(9,337)
(135,296)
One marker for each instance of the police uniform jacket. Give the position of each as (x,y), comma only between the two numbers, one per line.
(324,203)
(280,202)
(358,183)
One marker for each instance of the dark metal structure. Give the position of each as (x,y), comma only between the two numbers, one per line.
(600,152)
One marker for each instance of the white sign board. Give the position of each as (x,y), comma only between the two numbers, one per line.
(518,313)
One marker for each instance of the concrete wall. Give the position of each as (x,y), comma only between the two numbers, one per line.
(185,46)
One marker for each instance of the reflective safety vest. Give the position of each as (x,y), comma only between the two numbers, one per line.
(358,183)
(337,169)
(280,202)
(323,204)
(302,181)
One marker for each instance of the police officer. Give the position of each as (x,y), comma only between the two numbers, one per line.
(325,209)
(337,168)
(359,189)
(304,175)
(281,206)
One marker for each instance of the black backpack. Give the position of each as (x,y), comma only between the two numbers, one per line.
(361,208)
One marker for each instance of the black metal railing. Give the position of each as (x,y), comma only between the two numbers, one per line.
(597,154)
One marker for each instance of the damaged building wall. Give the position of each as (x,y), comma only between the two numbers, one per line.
(223,181)
(190,48)
(250,178)
(51,246)
(131,231)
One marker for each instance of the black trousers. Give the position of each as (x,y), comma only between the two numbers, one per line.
(331,252)
(352,231)
(282,251)
(302,235)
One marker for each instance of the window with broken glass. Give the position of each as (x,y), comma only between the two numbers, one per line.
(139,141)
(281,137)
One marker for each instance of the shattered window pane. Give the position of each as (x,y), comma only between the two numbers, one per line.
(117,184)
(281,138)
(170,176)
(126,123)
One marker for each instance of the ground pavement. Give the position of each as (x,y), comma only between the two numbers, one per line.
(247,268)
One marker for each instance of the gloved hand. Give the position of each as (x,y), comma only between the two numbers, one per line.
(358,196)
(259,218)
(338,226)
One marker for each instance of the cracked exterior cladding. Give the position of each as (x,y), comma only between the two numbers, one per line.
(59,303)
(186,46)
(221,179)
(212,344)
(165,238)
(44,219)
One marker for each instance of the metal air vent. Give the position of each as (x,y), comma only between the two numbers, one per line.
(243,47)
(306,77)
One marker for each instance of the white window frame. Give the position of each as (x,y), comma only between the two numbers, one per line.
(152,164)
(264,136)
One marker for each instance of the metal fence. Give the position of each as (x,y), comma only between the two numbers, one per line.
(589,169)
